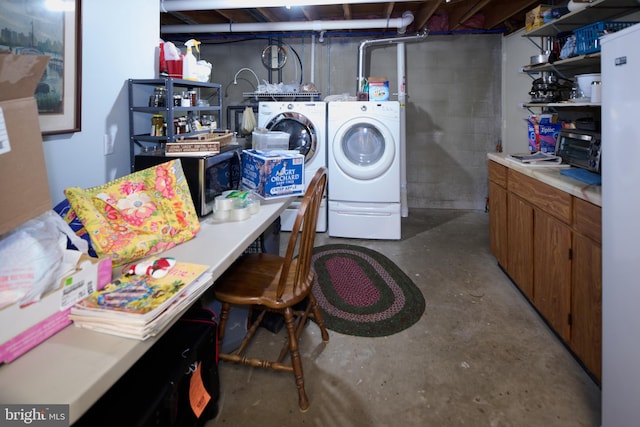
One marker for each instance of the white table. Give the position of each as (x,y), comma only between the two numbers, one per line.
(77,366)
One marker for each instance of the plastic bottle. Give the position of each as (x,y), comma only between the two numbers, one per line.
(190,63)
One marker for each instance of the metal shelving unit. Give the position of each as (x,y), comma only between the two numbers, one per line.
(598,10)
(140,113)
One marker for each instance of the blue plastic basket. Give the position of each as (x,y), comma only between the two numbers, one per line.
(588,37)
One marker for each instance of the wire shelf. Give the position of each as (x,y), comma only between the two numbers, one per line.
(278,96)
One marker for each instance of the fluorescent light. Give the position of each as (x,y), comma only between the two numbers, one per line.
(182,5)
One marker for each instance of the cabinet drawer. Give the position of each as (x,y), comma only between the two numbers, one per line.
(587,219)
(550,199)
(498,173)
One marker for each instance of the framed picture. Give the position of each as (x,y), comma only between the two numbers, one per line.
(51,28)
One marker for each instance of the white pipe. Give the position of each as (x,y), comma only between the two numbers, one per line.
(313,58)
(402,100)
(182,5)
(318,26)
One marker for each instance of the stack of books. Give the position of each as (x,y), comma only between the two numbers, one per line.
(140,306)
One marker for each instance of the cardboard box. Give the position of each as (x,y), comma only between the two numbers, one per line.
(548,136)
(535,18)
(273,174)
(23,328)
(24,188)
(533,132)
(378,89)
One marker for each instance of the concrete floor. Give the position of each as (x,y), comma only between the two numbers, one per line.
(480,355)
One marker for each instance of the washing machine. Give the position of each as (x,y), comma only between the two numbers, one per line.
(306,123)
(364,169)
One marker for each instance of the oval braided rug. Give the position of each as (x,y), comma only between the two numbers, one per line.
(361,292)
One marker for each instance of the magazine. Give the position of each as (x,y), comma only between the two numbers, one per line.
(536,158)
(141,302)
(139,331)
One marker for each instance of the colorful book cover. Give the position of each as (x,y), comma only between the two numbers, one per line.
(139,298)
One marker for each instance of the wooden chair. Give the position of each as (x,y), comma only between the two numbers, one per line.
(271,283)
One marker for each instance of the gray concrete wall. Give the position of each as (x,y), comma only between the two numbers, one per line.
(453,108)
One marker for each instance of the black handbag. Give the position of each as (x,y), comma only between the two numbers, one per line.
(175,383)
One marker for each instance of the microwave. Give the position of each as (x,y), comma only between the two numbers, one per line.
(207,176)
(580,148)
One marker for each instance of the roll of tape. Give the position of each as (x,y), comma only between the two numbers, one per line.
(221,215)
(239,214)
(223,204)
(254,206)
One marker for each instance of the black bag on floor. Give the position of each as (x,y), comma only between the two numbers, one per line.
(175,383)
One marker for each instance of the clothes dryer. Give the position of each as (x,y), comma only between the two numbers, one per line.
(306,123)
(364,169)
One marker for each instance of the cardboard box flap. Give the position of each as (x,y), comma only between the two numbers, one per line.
(20,75)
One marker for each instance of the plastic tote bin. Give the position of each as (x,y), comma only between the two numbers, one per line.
(588,37)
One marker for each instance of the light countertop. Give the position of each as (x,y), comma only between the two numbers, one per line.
(77,366)
(551,175)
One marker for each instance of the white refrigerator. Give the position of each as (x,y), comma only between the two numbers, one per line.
(621,228)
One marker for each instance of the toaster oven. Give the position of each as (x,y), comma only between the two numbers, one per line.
(580,148)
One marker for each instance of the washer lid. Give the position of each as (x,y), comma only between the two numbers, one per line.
(303,135)
(363,149)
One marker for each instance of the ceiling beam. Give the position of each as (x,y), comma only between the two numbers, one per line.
(268,14)
(346,11)
(182,17)
(309,13)
(388,10)
(426,12)
(500,11)
(459,19)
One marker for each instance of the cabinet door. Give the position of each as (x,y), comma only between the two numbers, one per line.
(586,304)
(520,244)
(552,272)
(498,222)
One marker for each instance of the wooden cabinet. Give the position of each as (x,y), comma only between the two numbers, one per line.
(549,243)
(498,209)
(520,243)
(586,291)
(552,272)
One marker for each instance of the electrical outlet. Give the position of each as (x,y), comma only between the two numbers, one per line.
(108,144)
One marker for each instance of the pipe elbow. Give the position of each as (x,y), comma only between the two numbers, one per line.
(407,19)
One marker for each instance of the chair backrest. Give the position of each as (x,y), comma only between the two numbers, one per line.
(303,232)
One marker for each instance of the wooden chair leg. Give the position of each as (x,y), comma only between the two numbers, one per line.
(250,333)
(296,362)
(317,315)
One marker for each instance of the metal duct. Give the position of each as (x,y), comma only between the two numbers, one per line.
(365,43)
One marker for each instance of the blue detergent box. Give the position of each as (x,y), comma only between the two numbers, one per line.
(272,174)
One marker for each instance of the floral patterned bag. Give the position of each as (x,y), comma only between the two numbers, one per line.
(138,215)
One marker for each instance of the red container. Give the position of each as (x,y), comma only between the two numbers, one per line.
(174,67)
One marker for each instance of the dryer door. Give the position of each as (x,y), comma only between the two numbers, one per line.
(363,148)
(303,135)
